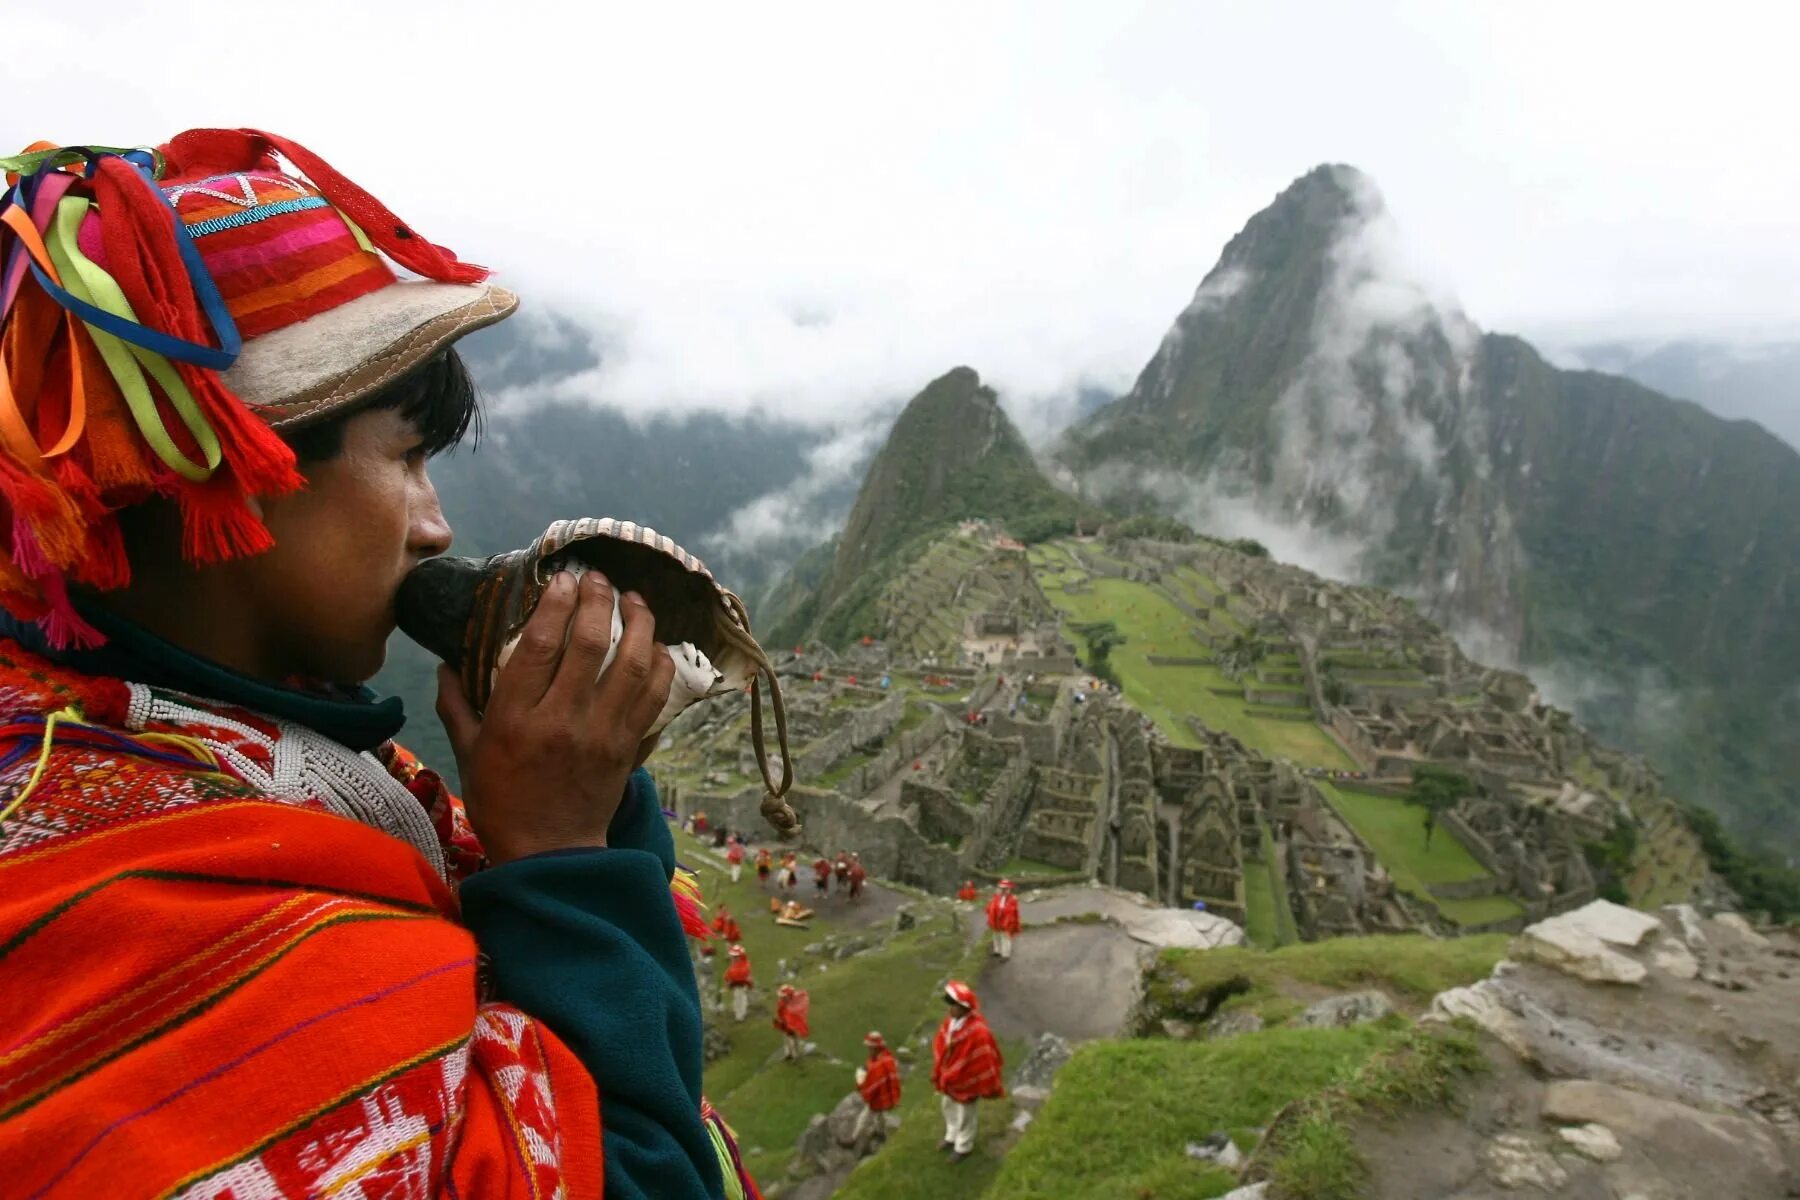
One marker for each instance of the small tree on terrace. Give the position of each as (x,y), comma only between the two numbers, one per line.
(1436,791)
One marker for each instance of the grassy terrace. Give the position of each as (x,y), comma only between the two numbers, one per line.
(1122,1112)
(1153,625)
(1396,832)
(1411,968)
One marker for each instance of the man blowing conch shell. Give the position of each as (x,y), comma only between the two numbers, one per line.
(253,946)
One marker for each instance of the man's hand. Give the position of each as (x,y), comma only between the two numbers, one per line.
(545,767)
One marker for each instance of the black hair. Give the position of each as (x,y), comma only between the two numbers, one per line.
(438,397)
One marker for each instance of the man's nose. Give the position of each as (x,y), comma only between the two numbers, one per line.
(431,532)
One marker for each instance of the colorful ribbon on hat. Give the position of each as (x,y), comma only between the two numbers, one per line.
(46,223)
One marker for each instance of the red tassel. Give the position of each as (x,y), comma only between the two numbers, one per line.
(62,625)
(53,522)
(693,921)
(263,463)
(216,521)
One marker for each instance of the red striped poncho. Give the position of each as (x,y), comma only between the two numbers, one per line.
(737,973)
(966,1062)
(791,1013)
(1003,913)
(213,992)
(726,926)
(880,1086)
(209,992)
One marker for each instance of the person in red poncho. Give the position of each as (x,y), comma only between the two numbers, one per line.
(226,370)
(765,862)
(965,1067)
(726,926)
(734,858)
(858,875)
(1003,919)
(878,1083)
(739,983)
(792,1005)
(822,876)
(966,893)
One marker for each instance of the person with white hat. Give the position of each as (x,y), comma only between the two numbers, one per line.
(966,1066)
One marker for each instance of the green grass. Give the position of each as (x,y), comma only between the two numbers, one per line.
(1310,1154)
(1395,830)
(843,769)
(1123,1111)
(1031,866)
(1259,906)
(916,714)
(1411,968)
(1265,882)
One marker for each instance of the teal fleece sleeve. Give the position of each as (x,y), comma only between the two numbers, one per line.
(588,942)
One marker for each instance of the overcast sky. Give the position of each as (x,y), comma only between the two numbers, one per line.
(817,208)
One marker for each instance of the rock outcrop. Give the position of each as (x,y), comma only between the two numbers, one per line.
(1680,1083)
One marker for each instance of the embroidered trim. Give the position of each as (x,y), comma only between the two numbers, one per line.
(251,216)
(305,765)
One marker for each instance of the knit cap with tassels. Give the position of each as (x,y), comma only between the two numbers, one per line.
(162,313)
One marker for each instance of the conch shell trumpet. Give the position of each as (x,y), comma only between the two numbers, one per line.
(469,612)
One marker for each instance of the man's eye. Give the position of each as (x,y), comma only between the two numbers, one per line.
(416,456)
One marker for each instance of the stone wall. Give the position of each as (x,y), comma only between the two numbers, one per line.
(860,727)
(901,749)
(1042,740)
(942,817)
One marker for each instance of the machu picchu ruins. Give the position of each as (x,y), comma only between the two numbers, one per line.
(1199,725)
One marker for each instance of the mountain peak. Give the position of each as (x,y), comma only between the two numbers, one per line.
(953,454)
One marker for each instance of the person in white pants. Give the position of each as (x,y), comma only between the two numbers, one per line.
(966,1067)
(737,979)
(1003,919)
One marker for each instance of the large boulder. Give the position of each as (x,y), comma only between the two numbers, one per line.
(1183,928)
(1740,930)
(1356,1008)
(842,1119)
(1580,943)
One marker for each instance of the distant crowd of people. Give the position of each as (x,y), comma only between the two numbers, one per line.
(966,1060)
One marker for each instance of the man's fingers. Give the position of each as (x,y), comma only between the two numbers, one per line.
(527,674)
(649,702)
(631,666)
(590,637)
